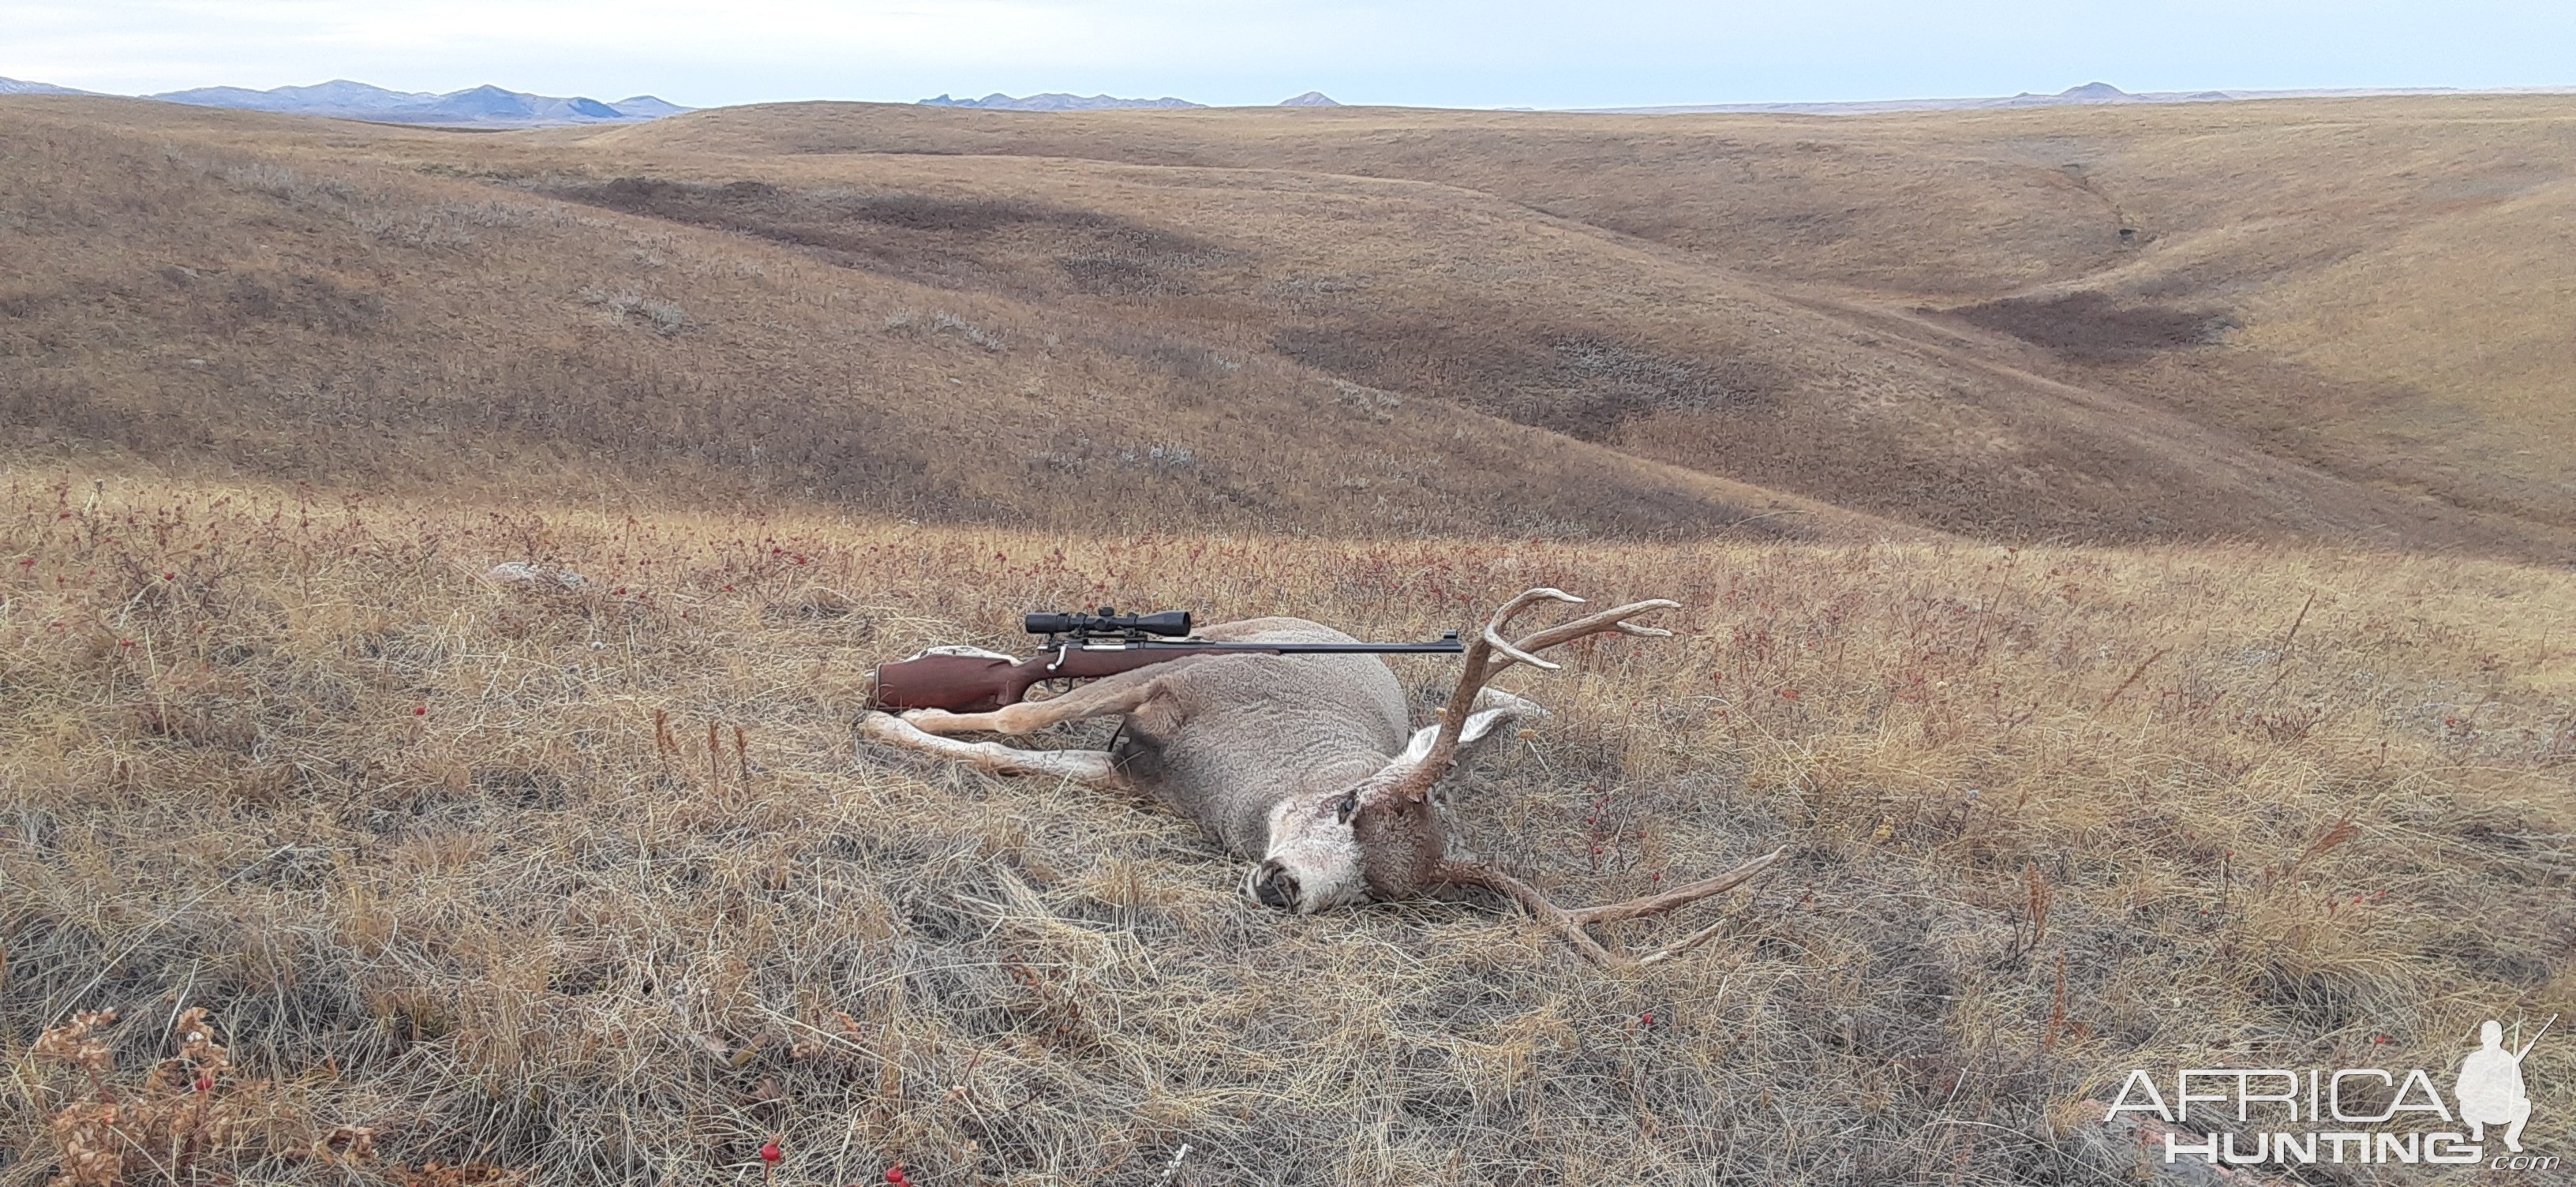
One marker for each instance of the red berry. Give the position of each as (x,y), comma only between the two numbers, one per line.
(205,1083)
(769,1152)
(420,710)
(1648,1019)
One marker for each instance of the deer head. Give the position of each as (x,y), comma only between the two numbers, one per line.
(1382,838)
(1379,839)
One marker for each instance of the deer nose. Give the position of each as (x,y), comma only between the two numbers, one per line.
(1275,886)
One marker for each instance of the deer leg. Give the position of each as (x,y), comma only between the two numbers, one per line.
(1105,697)
(1089,767)
(1572,922)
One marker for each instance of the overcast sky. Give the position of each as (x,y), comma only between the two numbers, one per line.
(1435,53)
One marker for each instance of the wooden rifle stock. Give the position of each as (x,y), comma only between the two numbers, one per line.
(968,681)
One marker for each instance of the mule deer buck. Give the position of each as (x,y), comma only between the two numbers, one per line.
(1302,763)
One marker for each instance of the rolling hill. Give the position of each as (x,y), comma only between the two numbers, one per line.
(185,302)
(2103,323)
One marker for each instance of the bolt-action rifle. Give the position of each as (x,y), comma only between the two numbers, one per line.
(1082,647)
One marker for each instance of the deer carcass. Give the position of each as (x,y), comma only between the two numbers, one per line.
(1304,764)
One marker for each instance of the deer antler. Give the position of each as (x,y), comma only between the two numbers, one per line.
(1459,873)
(1483,663)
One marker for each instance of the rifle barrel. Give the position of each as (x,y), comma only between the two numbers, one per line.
(1436,647)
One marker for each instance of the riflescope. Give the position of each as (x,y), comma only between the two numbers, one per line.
(1171,624)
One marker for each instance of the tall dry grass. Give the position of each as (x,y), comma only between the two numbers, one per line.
(593,884)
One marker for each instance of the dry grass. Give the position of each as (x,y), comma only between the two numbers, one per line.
(176,302)
(2389,261)
(488,878)
(1704,321)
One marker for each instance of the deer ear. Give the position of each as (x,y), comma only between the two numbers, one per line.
(1495,715)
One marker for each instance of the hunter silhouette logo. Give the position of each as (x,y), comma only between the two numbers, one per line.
(2307,1116)
(2490,1088)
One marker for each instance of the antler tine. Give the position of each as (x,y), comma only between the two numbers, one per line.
(1571,923)
(1483,664)
(1493,633)
(1615,619)
(1514,653)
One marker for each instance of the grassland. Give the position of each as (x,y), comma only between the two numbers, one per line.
(457,869)
(1927,321)
(182,304)
(2150,653)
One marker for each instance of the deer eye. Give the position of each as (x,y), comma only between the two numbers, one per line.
(1350,803)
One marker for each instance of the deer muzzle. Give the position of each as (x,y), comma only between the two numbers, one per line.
(1273,886)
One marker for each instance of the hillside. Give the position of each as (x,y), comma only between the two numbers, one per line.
(178,301)
(1928,320)
(2359,286)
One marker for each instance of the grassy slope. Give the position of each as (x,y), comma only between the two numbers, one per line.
(302,314)
(413,839)
(2389,261)
(1252,235)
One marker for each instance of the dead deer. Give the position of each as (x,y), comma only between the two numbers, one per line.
(1303,764)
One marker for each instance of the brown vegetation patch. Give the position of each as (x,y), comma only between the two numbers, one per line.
(302,300)
(921,236)
(2091,327)
(1584,385)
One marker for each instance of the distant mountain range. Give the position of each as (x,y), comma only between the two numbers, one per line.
(484,106)
(493,107)
(11,86)
(1059,101)
(2089,93)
